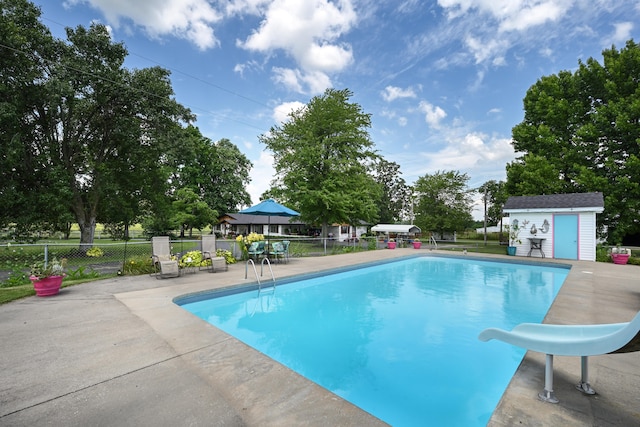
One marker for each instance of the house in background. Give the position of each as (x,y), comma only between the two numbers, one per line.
(346,232)
(495,228)
(233,224)
(563,225)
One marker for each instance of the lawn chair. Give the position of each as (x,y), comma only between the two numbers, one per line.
(277,250)
(209,254)
(163,262)
(255,250)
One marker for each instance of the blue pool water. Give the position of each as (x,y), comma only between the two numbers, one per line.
(399,339)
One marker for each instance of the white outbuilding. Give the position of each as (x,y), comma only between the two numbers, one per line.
(557,225)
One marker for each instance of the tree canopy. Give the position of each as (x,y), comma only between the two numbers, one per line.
(395,197)
(580,133)
(323,157)
(88,140)
(444,202)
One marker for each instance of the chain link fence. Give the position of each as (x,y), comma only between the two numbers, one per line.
(134,257)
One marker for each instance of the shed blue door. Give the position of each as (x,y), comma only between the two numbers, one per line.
(565,236)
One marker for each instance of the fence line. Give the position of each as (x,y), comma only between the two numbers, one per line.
(112,258)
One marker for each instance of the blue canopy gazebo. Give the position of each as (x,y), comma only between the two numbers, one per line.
(269,208)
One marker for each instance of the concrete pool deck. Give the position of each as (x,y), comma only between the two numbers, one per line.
(120,352)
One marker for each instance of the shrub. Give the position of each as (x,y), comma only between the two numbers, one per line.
(16,277)
(228,256)
(95,252)
(138,265)
(192,259)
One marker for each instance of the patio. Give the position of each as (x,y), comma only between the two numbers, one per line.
(119,352)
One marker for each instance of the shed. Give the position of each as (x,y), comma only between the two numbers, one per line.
(556,225)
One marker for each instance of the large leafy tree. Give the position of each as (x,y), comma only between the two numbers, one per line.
(85,131)
(191,211)
(217,171)
(323,158)
(25,46)
(444,202)
(494,197)
(581,132)
(395,197)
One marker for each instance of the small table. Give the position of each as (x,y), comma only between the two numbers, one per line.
(535,244)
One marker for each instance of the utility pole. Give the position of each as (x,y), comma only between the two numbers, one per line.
(484,198)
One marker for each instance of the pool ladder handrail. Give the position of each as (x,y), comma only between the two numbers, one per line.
(253,264)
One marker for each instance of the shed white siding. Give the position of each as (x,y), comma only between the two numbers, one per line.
(531,219)
(586,234)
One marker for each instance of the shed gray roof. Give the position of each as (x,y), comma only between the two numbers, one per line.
(556,201)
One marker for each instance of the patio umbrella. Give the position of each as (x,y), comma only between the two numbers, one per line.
(270,208)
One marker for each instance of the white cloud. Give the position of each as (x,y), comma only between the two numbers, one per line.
(289,78)
(307,31)
(295,80)
(511,15)
(187,19)
(532,14)
(261,176)
(281,112)
(622,33)
(433,114)
(391,93)
(484,50)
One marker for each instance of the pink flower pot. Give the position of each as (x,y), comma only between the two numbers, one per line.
(620,258)
(417,245)
(47,286)
(391,245)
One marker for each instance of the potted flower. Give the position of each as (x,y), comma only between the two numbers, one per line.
(391,244)
(514,237)
(47,277)
(417,244)
(620,255)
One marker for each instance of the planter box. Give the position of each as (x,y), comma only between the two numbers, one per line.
(511,250)
(620,258)
(47,286)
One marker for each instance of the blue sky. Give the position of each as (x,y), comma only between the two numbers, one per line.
(443,79)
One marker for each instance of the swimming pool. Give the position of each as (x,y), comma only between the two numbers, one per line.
(398,339)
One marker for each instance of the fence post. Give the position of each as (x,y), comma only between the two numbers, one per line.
(124,259)
(46,255)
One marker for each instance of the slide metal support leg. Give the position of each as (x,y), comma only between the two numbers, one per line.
(547,395)
(584,385)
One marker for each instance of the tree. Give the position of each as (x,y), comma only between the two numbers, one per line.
(395,199)
(323,157)
(444,202)
(581,132)
(26,44)
(191,211)
(494,197)
(83,131)
(218,172)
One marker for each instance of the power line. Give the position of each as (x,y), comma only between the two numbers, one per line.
(89,73)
